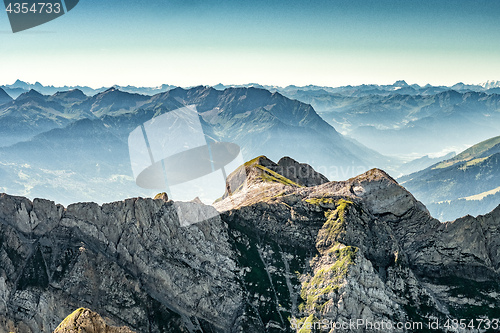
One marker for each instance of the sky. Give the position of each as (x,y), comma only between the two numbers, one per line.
(275,42)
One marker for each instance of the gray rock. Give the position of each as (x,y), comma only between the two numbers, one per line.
(273,258)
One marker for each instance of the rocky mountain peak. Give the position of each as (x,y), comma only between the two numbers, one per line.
(162,196)
(262,172)
(261,179)
(112,89)
(374,174)
(262,161)
(74,95)
(300,173)
(383,194)
(400,83)
(30,94)
(86,321)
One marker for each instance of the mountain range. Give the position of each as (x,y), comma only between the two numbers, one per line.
(284,248)
(411,125)
(398,120)
(399,87)
(70,147)
(277,257)
(19,87)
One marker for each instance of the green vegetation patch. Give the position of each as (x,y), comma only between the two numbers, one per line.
(254,161)
(161,195)
(271,176)
(471,154)
(334,225)
(306,324)
(316,290)
(472,163)
(320,201)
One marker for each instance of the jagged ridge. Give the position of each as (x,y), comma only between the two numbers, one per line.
(359,249)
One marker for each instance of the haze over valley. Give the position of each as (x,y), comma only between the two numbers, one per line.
(69,144)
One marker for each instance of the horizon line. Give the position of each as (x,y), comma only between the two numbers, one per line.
(243,84)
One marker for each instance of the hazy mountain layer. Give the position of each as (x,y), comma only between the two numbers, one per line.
(33,113)
(422,163)
(408,124)
(81,153)
(19,87)
(468,183)
(399,87)
(72,147)
(398,119)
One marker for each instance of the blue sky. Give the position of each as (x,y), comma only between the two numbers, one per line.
(191,42)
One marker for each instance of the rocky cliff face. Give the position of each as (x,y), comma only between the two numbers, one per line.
(280,257)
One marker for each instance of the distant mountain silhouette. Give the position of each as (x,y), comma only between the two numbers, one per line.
(400,124)
(398,87)
(4,97)
(112,101)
